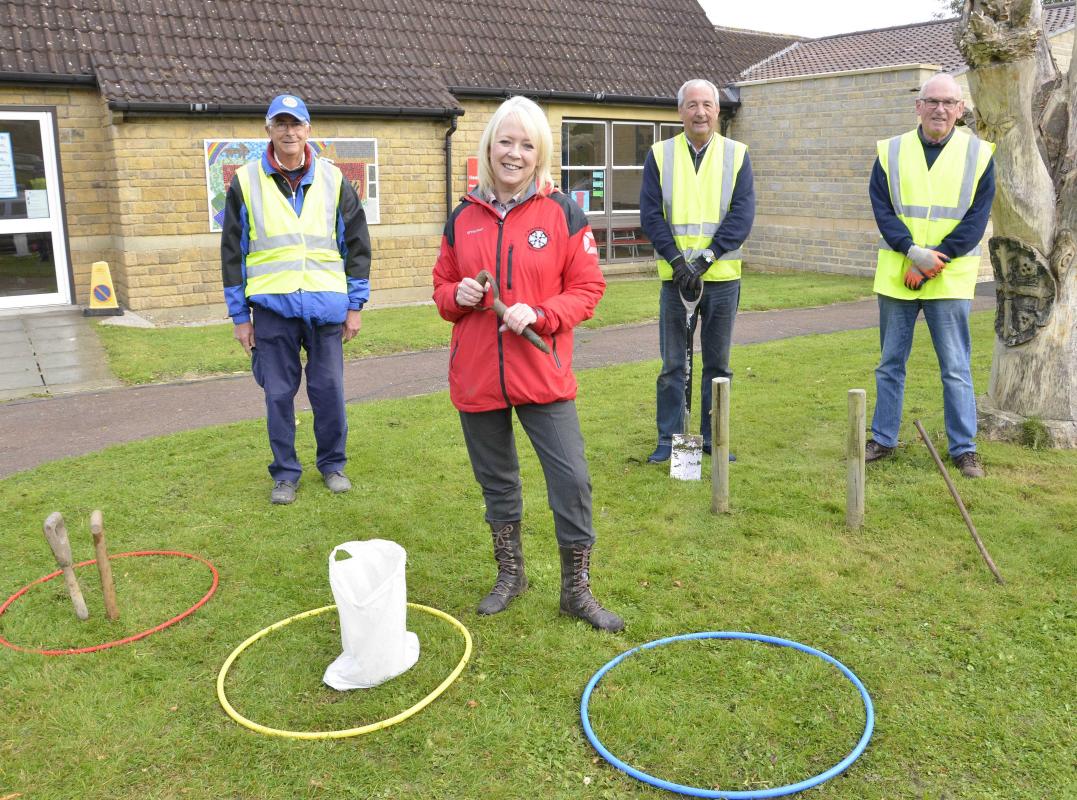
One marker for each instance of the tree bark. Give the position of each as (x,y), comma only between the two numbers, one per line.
(1026,108)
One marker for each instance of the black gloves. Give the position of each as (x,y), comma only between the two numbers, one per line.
(701,265)
(684,277)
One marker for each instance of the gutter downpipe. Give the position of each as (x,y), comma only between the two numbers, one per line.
(448,165)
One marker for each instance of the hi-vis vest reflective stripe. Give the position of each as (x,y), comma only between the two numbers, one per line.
(289,253)
(695,203)
(931,203)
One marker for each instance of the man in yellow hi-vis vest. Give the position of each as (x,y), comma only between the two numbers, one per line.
(931,191)
(295,261)
(697,205)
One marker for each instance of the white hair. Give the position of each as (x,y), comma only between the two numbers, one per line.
(938,75)
(696,82)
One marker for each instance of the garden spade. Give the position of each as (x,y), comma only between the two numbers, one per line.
(687,458)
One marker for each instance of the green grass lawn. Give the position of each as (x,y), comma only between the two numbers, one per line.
(140,355)
(972,682)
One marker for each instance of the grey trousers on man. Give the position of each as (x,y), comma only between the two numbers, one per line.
(554,431)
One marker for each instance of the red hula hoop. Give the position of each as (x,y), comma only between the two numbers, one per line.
(93,649)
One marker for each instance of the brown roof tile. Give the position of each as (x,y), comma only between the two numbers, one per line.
(922,43)
(747,48)
(367,53)
(41,38)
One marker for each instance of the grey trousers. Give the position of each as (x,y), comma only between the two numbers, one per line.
(554,431)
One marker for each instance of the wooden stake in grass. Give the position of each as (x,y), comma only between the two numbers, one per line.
(720,446)
(56,534)
(104,566)
(957,499)
(854,457)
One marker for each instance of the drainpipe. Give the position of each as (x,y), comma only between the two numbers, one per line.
(448,165)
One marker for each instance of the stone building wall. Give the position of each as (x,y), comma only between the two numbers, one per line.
(86,170)
(812,144)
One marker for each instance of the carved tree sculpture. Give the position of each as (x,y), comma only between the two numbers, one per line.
(1029,110)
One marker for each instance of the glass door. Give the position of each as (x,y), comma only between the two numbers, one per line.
(33,250)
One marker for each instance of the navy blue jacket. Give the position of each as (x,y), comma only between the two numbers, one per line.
(730,234)
(963,238)
(319,308)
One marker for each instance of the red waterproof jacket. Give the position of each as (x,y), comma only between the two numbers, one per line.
(542,253)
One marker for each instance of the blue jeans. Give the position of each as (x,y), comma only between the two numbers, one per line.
(717,310)
(948,322)
(277,369)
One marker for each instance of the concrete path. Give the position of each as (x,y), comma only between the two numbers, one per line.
(38,430)
(52,348)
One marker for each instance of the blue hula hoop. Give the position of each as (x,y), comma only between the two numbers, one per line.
(869,722)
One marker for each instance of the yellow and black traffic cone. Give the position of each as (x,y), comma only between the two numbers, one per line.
(102,295)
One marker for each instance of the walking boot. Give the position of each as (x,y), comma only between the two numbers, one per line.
(511,580)
(576,597)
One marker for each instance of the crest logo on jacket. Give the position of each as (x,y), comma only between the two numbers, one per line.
(589,246)
(538,239)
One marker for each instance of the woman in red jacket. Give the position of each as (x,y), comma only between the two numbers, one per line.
(541,252)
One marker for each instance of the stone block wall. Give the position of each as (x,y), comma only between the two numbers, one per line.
(812,143)
(171,259)
(135,193)
(87,172)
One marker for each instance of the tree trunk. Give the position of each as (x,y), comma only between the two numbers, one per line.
(1026,108)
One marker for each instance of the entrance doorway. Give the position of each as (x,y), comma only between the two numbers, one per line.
(34,268)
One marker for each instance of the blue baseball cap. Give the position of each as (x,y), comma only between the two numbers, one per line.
(288,104)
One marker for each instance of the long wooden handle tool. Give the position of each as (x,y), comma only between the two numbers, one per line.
(484,277)
(56,534)
(960,505)
(104,566)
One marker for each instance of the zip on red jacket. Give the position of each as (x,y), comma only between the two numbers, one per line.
(542,253)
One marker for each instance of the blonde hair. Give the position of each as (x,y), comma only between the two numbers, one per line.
(533,121)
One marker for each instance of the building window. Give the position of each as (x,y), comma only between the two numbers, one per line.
(602,170)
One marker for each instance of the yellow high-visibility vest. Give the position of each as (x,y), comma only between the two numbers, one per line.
(289,253)
(695,203)
(931,203)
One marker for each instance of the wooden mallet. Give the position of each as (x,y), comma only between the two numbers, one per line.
(104,566)
(484,277)
(56,533)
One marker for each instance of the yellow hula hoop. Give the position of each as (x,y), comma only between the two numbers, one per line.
(339,734)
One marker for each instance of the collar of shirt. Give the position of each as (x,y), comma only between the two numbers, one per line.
(700,151)
(697,155)
(293,175)
(515,200)
(928,143)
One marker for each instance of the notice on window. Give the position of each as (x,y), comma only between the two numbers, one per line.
(7,169)
(37,204)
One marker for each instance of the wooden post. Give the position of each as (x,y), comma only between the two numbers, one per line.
(854,456)
(104,566)
(720,446)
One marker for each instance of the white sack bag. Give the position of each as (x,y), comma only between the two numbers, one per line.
(372,597)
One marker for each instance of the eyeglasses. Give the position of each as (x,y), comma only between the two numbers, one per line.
(286,125)
(934,102)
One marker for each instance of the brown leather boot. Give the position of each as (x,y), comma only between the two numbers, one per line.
(511,580)
(576,597)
